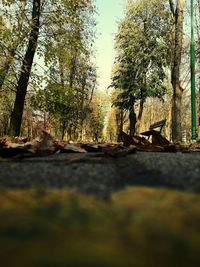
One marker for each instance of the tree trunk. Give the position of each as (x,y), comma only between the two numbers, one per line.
(30,127)
(63,130)
(72,71)
(120,124)
(175,75)
(133,120)
(21,90)
(139,119)
(63,121)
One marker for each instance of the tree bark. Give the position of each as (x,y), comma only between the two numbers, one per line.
(21,89)
(63,130)
(72,70)
(139,119)
(133,120)
(175,75)
(120,124)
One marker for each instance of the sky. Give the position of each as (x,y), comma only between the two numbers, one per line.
(109,13)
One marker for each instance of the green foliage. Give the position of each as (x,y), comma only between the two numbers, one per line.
(143,49)
(66,79)
(96,120)
(8,2)
(57,101)
(111,125)
(67,55)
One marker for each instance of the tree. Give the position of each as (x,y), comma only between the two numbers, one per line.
(111,126)
(68,59)
(142,44)
(21,89)
(61,33)
(96,117)
(12,38)
(177,13)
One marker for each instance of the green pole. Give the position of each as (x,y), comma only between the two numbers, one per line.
(193,86)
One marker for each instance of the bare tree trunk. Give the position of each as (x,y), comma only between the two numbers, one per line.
(63,122)
(63,130)
(120,124)
(139,119)
(133,120)
(72,70)
(21,90)
(175,75)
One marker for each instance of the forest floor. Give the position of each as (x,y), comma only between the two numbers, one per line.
(100,209)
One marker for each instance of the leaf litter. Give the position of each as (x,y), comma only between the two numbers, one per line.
(22,148)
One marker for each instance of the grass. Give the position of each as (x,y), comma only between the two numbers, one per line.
(138,227)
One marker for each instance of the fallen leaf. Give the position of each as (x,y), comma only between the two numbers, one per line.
(158,139)
(46,146)
(10,152)
(134,140)
(194,147)
(151,148)
(19,139)
(127,140)
(91,147)
(119,151)
(69,148)
(2,142)
(170,148)
(140,140)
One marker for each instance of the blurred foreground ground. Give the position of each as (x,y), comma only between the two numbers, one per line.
(126,218)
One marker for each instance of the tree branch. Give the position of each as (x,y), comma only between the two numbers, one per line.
(172,8)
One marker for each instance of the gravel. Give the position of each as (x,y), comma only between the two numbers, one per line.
(95,174)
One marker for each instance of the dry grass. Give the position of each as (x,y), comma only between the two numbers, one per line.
(139,227)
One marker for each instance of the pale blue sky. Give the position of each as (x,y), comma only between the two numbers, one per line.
(109,13)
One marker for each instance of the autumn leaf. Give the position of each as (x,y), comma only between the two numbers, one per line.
(70,148)
(119,151)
